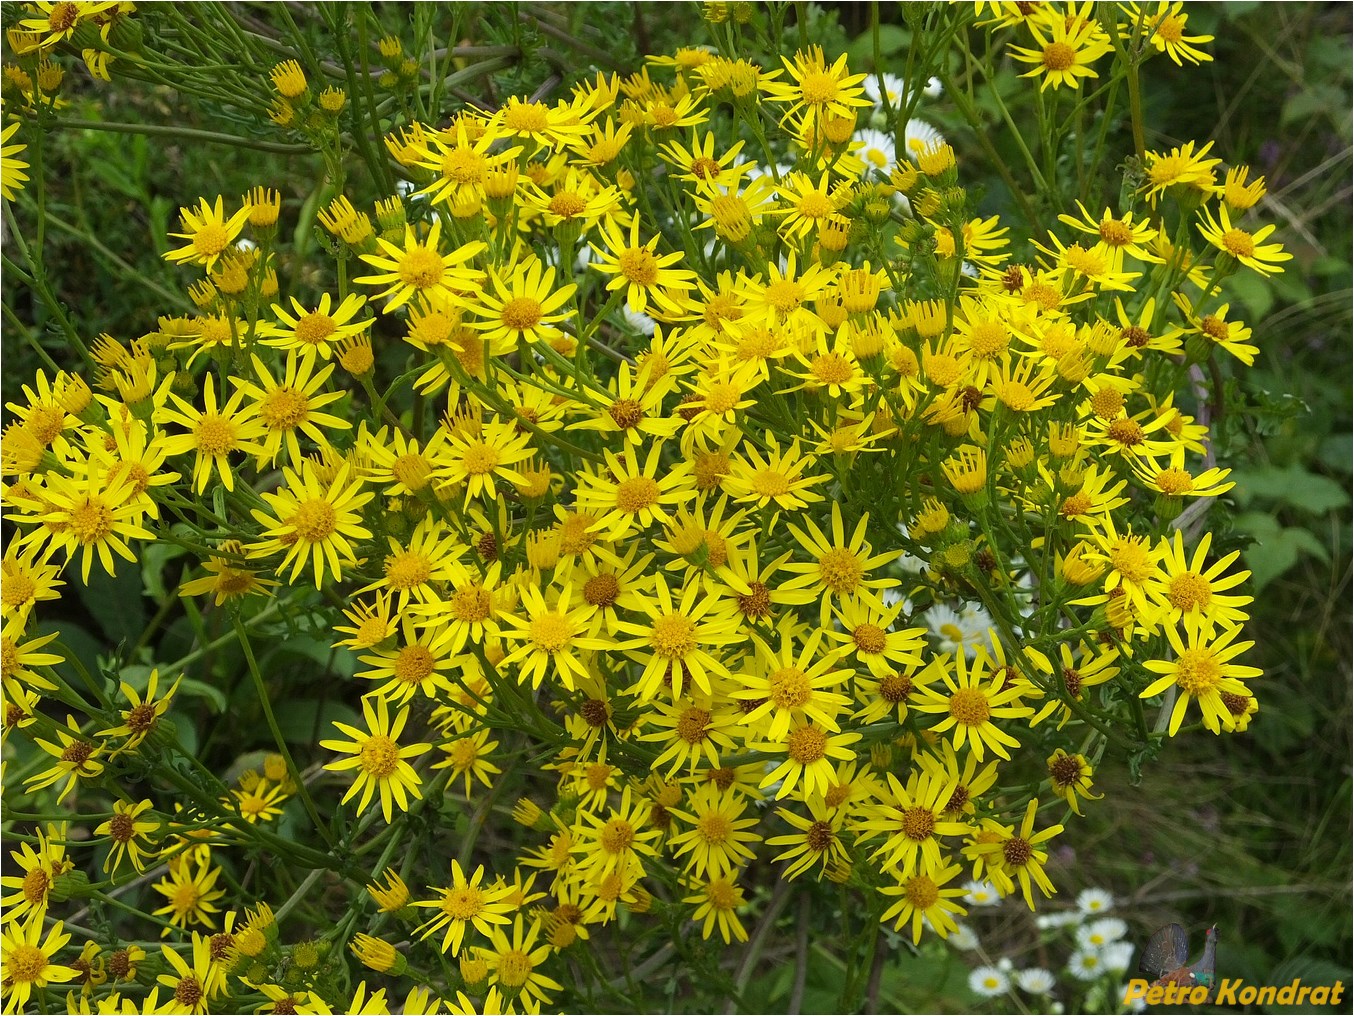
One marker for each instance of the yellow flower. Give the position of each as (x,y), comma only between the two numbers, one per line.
(289,79)
(192,895)
(817,840)
(633,407)
(1167,27)
(1248,248)
(415,664)
(914,816)
(700,165)
(695,729)
(26,579)
(839,567)
(461,162)
(1188,590)
(650,282)
(314,521)
(292,404)
(1237,193)
(630,495)
(317,331)
(226,578)
(816,89)
(419,268)
(525,309)
(467,759)
(972,699)
(28,959)
(785,686)
(514,964)
(379,758)
(676,638)
(1066,47)
(124,829)
(214,434)
(465,903)
(1182,165)
(777,478)
(717,901)
(17,659)
(549,639)
(1006,853)
(477,458)
(140,719)
(12,175)
(58,20)
(76,758)
(561,124)
(1202,670)
(925,902)
(808,750)
(33,889)
(208,231)
(193,984)
(1070,777)
(809,205)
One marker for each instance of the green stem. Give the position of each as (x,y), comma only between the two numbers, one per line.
(183,133)
(267,704)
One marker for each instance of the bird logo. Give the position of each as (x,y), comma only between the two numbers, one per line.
(1166,958)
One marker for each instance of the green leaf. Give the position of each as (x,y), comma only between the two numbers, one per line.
(1314,100)
(1275,549)
(193,688)
(153,561)
(892,39)
(83,646)
(1337,451)
(303,720)
(115,603)
(318,651)
(1254,291)
(1293,486)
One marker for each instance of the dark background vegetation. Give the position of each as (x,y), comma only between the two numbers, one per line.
(1250,832)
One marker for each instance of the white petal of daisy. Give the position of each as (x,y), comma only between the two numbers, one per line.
(1035,981)
(988,982)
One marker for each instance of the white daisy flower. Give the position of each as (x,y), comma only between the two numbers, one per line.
(988,982)
(1094,901)
(965,629)
(919,136)
(878,151)
(963,938)
(1035,981)
(933,88)
(1100,933)
(981,894)
(892,93)
(641,323)
(1086,964)
(1061,919)
(1117,956)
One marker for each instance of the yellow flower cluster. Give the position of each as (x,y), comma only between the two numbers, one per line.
(689,443)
